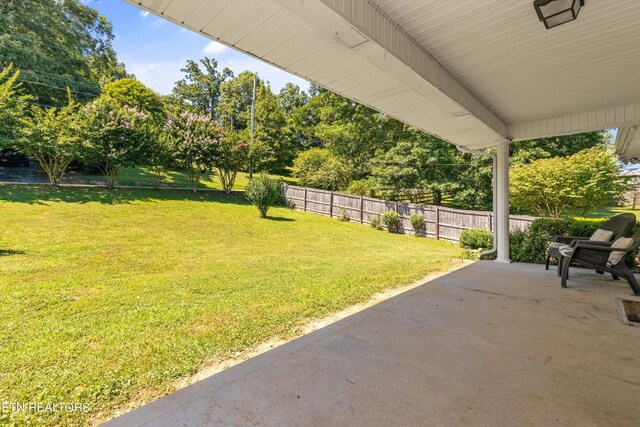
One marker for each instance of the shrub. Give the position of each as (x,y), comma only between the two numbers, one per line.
(584,227)
(362,187)
(476,238)
(319,168)
(392,221)
(472,254)
(527,246)
(551,227)
(375,222)
(417,222)
(264,193)
(344,215)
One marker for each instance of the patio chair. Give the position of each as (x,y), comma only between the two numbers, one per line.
(610,230)
(603,258)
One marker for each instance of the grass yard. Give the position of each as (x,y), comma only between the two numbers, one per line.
(109,297)
(609,211)
(141,176)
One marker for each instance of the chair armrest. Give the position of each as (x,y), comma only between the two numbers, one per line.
(568,239)
(597,247)
(591,243)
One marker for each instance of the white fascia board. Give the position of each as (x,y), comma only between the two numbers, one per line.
(628,142)
(385,45)
(604,118)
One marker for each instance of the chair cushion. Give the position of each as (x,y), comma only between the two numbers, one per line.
(566,251)
(617,256)
(558,245)
(601,235)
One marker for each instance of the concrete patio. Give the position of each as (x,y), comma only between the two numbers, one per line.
(489,344)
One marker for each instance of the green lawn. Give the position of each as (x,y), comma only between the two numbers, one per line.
(109,297)
(606,212)
(141,176)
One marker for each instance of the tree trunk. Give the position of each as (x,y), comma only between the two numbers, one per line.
(437,197)
(110,173)
(194,177)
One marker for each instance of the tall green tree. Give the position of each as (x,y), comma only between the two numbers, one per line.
(291,98)
(353,131)
(58,44)
(201,85)
(421,161)
(132,93)
(234,110)
(12,106)
(522,152)
(271,129)
(271,146)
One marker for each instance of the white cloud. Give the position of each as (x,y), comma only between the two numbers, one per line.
(275,76)
(214,48)
(144,13)
(159,76)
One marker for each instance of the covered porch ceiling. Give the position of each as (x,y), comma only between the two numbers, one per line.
(474,73)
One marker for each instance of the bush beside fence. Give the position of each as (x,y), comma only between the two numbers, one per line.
(440,223)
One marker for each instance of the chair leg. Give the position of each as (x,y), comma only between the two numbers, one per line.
(560,264)
(631,280)
(565,271)
(546,267)
(615,276)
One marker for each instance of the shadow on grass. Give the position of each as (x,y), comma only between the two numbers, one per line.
(40,194)
(279,218)
(9,252)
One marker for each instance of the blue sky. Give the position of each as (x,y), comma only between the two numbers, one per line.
(155,49)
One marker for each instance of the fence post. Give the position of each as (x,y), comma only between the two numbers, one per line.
(437,223)
(361,209)
(490,221)
(304,202)
(331,205)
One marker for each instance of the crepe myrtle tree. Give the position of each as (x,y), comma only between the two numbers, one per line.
(51,136)
(159,156)
(114,136)
(231,155)
(194,140)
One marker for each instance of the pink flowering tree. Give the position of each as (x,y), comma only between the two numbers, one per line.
(194,141)
(114,136)
(231,156)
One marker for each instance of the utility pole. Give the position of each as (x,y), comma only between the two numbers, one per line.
(253,125)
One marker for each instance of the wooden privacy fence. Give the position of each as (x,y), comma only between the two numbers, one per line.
(440,222)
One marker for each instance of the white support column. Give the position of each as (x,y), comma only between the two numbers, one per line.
(502,199)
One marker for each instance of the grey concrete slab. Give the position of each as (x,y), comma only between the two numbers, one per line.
(490,344)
